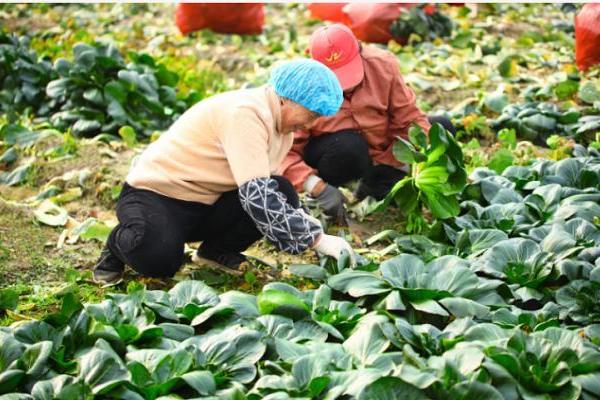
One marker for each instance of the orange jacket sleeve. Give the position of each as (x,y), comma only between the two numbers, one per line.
(403,108)
(294,168)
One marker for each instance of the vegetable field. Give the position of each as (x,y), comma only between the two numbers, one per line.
(478,276)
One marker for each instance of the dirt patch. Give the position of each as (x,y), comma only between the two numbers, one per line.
(97,157)
(28,252)
(513,29)
(24,252)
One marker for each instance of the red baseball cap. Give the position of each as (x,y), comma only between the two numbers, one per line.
(337,47)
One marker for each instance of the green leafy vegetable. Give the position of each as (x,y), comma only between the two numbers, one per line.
(423,21)
(437,177)
(282,303)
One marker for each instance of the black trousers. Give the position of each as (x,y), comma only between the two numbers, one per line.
(153,229)
(343,156)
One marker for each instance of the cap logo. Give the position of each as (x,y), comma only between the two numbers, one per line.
(334,56)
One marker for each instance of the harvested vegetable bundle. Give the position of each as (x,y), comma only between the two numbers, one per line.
(438,176)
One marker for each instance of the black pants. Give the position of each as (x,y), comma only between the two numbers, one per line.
(343,156)
(153,229)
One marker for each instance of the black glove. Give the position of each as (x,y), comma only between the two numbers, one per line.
(331,200)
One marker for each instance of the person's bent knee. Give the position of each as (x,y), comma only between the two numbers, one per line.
(156,253)
(444,121)
(348,159)
(124,239)
(351,148)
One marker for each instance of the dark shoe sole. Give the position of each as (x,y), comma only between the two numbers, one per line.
(205,262)
(107,282)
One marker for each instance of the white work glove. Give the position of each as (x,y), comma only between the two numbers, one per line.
(330,245)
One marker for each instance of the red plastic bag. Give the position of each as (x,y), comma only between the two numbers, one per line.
(587,36)
(371,22)
(241,18)
(430,9)
(328,12)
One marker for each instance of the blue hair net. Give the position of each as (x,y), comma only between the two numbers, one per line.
(310,84)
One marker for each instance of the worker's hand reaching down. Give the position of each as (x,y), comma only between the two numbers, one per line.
(333,246)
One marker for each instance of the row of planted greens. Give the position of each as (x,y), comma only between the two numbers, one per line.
(97,91)
(284,343)
(534,120)
(499,301)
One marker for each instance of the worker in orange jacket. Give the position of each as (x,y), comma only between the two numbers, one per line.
(356,142)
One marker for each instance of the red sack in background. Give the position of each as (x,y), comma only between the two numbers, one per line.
(241,18)
(430,9)
(587,36)
(371,22)
(328,11)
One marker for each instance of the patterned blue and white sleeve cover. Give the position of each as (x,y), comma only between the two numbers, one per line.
(285,227)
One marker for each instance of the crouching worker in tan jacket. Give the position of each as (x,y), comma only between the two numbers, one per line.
(213,178)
